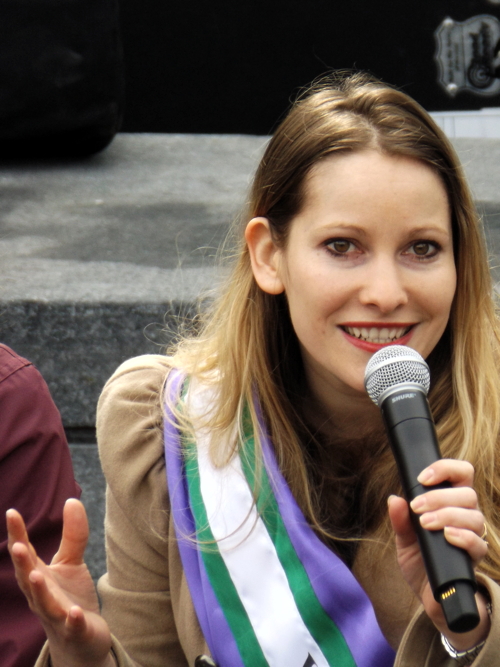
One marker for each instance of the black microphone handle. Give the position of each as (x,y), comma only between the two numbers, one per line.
(413,441)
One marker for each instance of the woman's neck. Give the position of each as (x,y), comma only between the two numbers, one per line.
(350,417)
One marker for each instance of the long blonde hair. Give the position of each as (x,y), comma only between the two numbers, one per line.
(246,340)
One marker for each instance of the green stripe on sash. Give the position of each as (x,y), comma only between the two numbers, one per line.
(236,615)
(322,628)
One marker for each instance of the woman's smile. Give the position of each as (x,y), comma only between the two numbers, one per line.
(368,262)
(373,336)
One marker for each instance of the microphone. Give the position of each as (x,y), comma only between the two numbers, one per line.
(397,379)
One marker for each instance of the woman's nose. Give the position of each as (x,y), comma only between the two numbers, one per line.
(383,286)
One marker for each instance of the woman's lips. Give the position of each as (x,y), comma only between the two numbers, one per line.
(371,337)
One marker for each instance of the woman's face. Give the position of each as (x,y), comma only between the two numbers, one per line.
(368,262)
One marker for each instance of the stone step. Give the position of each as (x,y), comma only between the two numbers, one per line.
(89,475)
(101,258)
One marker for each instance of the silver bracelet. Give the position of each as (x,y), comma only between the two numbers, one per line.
(465,658)
(462,658)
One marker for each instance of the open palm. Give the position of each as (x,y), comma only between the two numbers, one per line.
(62,594)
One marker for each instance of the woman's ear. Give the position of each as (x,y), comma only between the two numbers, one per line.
(265,256)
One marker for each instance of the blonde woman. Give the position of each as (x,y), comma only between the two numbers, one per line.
(283,538)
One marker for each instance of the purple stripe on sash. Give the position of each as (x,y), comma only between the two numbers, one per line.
(338,591)
(210,615)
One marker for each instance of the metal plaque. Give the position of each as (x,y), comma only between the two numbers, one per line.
(468,55)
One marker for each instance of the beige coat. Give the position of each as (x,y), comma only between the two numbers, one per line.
(144,593)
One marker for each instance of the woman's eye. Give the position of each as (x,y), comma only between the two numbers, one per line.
(340,246)
(423,249)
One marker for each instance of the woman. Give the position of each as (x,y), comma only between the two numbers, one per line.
(360,233)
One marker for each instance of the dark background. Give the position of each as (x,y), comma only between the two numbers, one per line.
(220,66)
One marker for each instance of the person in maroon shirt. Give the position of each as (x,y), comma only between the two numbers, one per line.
(36,478)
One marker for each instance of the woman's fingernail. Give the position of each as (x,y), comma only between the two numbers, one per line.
(417,503)
(425,476)
(428,520)
(451,530)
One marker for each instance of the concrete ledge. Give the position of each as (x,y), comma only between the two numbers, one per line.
(99,258)
(483,124)
(77,346)
(89,475)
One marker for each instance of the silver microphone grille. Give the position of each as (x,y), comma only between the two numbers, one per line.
(393,365)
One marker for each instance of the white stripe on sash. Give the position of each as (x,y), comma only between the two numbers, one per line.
(250,556)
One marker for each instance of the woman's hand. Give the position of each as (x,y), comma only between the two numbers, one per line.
(456,511)
(62,594)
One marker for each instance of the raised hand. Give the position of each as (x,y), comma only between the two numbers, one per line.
(62,594)
(456,511)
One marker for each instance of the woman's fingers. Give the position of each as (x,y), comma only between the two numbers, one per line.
(22,552)
(23,567)
(33,583)
(32,574)
(53,612)
(399,516)
(455,506)
(455,509)
(62,594)
(15,526)
(76,623)
(472,520)
(42,601)
(17,533)
(459,473)
(462,527)
(476,547)
(75,534)
(458,496)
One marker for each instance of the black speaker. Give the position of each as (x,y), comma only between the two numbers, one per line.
(61,77)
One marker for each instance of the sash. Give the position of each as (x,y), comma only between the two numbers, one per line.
(267,592)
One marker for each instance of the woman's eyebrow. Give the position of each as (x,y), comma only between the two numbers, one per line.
(343,227)
(348,227)
(429,229)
